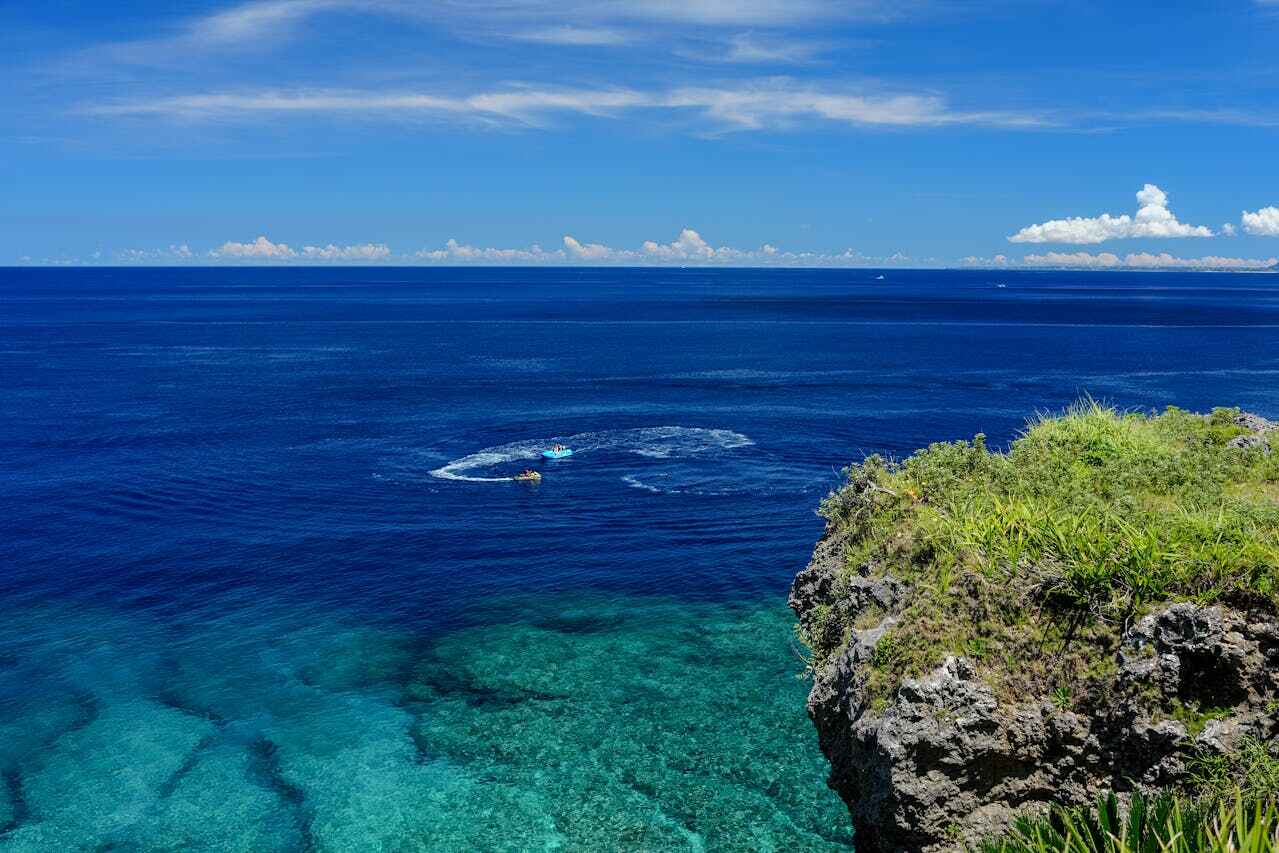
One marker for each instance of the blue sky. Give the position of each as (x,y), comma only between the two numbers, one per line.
(673,131)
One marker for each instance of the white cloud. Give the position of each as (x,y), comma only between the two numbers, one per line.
(590,251)
(782,102)
(752,49)
(363,252)
(1227,230)
(455,251)
(996,261)
(573,36)
(176,252)
(688,248)
(252,19)
(1264,222)
(265,19)
(1144,260)
(1166,261)
(247,25)
(689,245)
(1153,219)
(259,248)
(1073,259)
(267,23)
(766,104)
(738,12)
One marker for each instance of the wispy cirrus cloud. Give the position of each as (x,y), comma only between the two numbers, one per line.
(773,103)
(1153,219)
(573,35)
(266,19)
(268,16)
(1228,116)
(251,25)
(752,48)
(562,22)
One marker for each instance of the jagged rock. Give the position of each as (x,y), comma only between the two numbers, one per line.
(1257,427)
(946,763)
(1213,656)
(1255,423)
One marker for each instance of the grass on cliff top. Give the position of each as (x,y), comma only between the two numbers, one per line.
(1034,559)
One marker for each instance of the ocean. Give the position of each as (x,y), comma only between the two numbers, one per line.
(268,586)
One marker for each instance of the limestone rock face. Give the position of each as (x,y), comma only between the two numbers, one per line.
(945,763)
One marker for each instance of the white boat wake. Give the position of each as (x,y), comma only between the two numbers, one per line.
(669,442)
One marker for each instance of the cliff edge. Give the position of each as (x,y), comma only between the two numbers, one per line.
(1093,610)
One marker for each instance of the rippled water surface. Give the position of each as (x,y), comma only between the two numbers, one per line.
(267,583)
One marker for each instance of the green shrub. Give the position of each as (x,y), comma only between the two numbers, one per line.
(1159,824)
(1034,560)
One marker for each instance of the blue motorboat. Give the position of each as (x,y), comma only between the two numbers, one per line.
(557,451)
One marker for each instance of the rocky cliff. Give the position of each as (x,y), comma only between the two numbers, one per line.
(949,754)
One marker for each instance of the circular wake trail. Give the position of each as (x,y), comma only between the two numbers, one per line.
(669,442)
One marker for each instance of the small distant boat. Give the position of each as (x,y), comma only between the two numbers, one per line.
(557,452)
(879,278)
(528,477)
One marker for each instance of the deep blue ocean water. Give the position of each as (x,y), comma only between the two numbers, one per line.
(266,585)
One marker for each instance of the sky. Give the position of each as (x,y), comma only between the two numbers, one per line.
(1085,133)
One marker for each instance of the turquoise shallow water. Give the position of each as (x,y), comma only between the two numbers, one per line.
(575,724)
(266,583)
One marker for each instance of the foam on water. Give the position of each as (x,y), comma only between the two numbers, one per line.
(669,442)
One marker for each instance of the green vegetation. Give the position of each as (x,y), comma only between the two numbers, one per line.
(1161,824)
(1234,810)
(1033,561)
(1251,770)
(1195,718)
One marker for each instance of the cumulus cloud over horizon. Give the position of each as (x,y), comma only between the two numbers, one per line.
(362,252)
(455,251)
(1152,220)
(259,248)
(264,249)
(175,252)
(688,247)
(1262,223)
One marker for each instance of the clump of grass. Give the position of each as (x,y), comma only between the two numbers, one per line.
(1194,717)
(1250,769)
(1034,560)
(1161,824)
